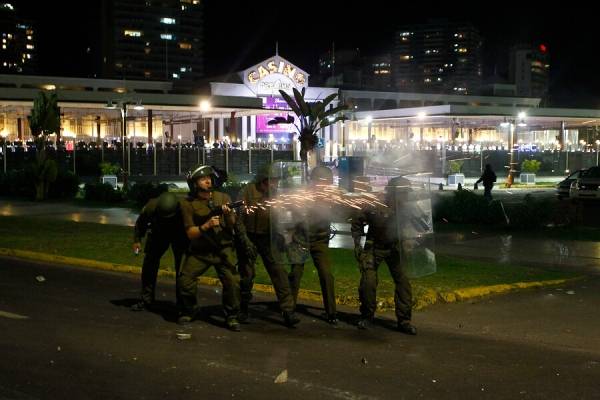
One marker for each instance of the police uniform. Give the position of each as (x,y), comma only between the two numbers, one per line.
(318,246)
(257,225)
(382,244)
(213,248)
(316,240)
(162,232)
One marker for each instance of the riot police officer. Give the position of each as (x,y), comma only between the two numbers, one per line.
(383,244)
(257,226)
(161,220)
(209,224)
(317,239)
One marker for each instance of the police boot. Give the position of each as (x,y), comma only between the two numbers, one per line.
(365,323)
(244,315)
(290,319)
(331,319)
(233,324)
(407,328)
(139,306)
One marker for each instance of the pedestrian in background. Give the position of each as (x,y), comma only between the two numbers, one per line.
(488,178)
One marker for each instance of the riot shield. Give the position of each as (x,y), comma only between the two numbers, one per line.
(288,213)
(414,221)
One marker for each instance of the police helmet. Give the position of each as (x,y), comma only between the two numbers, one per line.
(167,205)
(398,184)
(322,175)
(202,170)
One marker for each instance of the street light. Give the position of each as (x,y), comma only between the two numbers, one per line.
(179,159)
(122,103)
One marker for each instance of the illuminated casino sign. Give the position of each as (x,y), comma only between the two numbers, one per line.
(274,74)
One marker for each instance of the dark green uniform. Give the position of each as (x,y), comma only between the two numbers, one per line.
(162,233)
(318,246)
(382,244)
(213,248)
(257,225)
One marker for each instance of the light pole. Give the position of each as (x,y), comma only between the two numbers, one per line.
(122,104)
(513,133)
(4,154)
(179,158)
(597,148)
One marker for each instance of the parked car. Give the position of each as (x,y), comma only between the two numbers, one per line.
(563,187)
(587,185)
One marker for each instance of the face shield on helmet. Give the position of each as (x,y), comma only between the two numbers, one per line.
(192,179)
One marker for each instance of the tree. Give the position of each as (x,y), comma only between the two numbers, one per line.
(43,121)
(312,118)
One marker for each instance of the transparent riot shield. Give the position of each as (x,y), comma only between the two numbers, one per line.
(414,221)
(289,212)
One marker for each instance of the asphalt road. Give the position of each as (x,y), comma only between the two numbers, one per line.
(72,336)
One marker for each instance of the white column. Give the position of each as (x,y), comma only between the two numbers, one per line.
(221,128)
(253,128)
(211,132)
(244,133)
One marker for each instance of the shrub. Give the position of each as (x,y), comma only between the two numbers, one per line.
(140,193)
(65,186)
(107,168)
(531,213)
(531,166)
(455,166)
(17,183)
(102,192)
(466,207)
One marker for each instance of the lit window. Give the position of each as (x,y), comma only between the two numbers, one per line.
(9,36)
(8,6)
(405,57)
(168,21)
(176,76)
(132,33)
(28,56)
(185,46)
(405,34)
(166,36)
(196,2)
(29,37)
(182,69)
(462,50)
(439,79)
(29,47)
(147,74)
(29,31)
(3,47)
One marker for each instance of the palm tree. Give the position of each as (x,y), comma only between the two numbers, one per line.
(43,121)
(312,117)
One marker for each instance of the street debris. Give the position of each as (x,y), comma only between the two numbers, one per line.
(40,278)
(364,361)
(58,348)
(184,336)
(570,292)
(282,377)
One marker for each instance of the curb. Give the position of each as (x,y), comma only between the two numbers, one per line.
(428,298)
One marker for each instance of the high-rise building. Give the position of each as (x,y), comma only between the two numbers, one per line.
(529,70)
(377,73)
(438,57)
(153,39)
(18,49)
(340,68)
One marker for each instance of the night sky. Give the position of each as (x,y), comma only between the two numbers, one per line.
(240,33)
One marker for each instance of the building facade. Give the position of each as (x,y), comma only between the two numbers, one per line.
(153,40)
(529,70)
(18,54)
(438,57)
